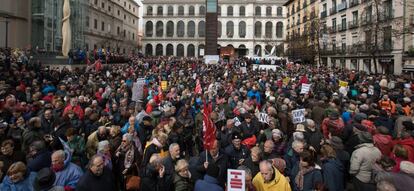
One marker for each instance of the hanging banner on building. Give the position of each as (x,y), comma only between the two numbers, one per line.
(298,116)
(305,88)
(343,83)
(236,180)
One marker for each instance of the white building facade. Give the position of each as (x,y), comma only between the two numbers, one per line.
(348,37)
(113,25)
(251,27)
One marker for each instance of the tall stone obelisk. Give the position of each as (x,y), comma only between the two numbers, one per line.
(66,31)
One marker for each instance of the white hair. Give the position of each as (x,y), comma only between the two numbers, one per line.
(102,145)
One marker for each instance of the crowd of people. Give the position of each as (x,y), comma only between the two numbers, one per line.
(94,130)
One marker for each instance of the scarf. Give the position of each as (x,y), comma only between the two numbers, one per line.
(129,157)
(299,179)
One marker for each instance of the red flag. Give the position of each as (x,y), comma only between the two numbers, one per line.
(198,89)
(160,94)
(208,127)
(98,65)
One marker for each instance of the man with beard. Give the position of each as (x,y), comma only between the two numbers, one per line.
(97,177)
(94,139)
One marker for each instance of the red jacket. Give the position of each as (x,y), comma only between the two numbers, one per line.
(383,143)
(408,144)
(76,109)
(337,124)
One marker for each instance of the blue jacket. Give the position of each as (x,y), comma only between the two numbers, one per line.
(333,174)
(310,181)
(254,94)
(24,185)
(69,176)
(126,127)
(208,184)
(41,160)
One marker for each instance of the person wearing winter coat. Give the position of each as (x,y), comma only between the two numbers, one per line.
(97,177)
(153,175)
(18,178)
(77,145)
(270,179)
(403,180)
(332,169)
(182,177)
(307,175)
(209,182)
(313,135)
(333,123)
(383,141)
(8,155)
(39,156)
(67,173)
(94,139)
(362,160)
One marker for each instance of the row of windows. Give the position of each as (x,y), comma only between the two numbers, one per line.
(202,11)
(180,29)
(159,49)
(109,7)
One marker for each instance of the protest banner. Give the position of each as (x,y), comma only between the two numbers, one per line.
(305,88)
(343,83)
(236,180)
(298,116)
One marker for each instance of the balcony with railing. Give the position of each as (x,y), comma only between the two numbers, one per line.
(332,10)
(323,14)
(342,27)
(366,20)
(332,29)
(353,3)
(353,24)
(342,6)
(388,14)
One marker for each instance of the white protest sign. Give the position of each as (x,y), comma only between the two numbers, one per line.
(370,91)
(264,118)
(236,180)
(407,85)
(298,116)
(236,122)
(305,88)
(244,70)
(138,90)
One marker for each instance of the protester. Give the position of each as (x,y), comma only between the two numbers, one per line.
(270,178)
(67,173)
(97,177)
(18,178)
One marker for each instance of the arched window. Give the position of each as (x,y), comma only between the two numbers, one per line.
(158,50)
(258,50)
(202,10)
(268,49)
(201,49)
(170,29)
(258,11)
(279,11)
(159,29)
(191,10)
(180,29)
(160,10)
(230,11)
(191,29)
(202,29)
(279,30)
(242,11)
(268,29)
(181,10)
(149,10)
(258,29)
(190,50)
(180,50)
(149,29)
(230,29)
(148,50)
(269,11)
(242,50)
(218,10)
(242,29)
(170,50)
(219,30)
(170,10)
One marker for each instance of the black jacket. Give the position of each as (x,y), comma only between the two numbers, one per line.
(151,181)
(91,182)
(222,162)
(236,154)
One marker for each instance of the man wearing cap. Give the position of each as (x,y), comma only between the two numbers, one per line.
(362,161)
(236,151)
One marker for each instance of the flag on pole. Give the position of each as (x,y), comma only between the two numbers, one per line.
(208,127)
(198,89)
